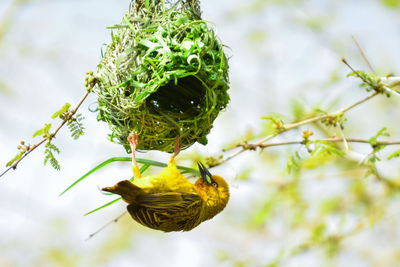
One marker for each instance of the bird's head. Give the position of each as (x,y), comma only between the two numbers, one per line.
(213,189)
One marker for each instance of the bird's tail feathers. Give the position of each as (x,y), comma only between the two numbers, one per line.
(127,190)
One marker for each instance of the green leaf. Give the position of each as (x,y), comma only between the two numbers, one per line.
(50,156)
(245,174)
(391,3)
(331,205)
(52,147)
(274,123)
(293,162)
(373,158)
(75,126)
(262,214)
(396,154)
(317,234)
(17,157)
(102,207)
(324,147)
(45,130)
(297,108)
(138,160)
(64,109)
(382,132)
(369,81)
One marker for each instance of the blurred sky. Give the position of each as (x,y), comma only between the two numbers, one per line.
(279,50)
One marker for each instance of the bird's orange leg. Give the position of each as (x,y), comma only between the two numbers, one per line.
(133,140)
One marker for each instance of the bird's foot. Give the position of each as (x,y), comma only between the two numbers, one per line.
(177,147)
(133,140)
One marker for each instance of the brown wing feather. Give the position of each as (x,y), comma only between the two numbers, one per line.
(172,211)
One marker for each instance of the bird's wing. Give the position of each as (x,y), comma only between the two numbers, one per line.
(171,211)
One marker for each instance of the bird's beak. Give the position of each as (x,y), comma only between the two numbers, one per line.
(205,173)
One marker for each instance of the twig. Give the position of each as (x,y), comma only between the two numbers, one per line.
(286,127)
(339,112)
(52,135)
(363,79)
(104,226)
(391,79)
(332,140)
(328,116)
(363,55)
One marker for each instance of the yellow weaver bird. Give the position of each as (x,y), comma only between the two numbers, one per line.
(167,201)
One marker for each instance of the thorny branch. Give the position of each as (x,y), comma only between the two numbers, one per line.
(286,127)
(69,115)
(331,140)
(281,128)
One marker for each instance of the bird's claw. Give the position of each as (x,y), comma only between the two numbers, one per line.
(177,147)
(133,140)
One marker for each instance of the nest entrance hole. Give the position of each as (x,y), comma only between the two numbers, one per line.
(183,99)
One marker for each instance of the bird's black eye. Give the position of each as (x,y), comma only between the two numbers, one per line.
(214,184)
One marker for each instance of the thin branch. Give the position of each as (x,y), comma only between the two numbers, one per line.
(332,140)
(327,116)
(286,127)
(290,126)
(391,90)
(363,55)
(237,153)
(384,87)
(391,79)
(52,135)
(104,226)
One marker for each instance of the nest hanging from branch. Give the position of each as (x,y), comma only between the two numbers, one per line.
(163,74)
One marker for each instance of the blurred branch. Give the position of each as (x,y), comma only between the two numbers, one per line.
(91,82)
(104,226)
(391,79)
(332,140)
(363,55)
(8,16)
(333,241)
(286,127)
(333,119)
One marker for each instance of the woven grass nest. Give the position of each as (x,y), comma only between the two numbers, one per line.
(164,74)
